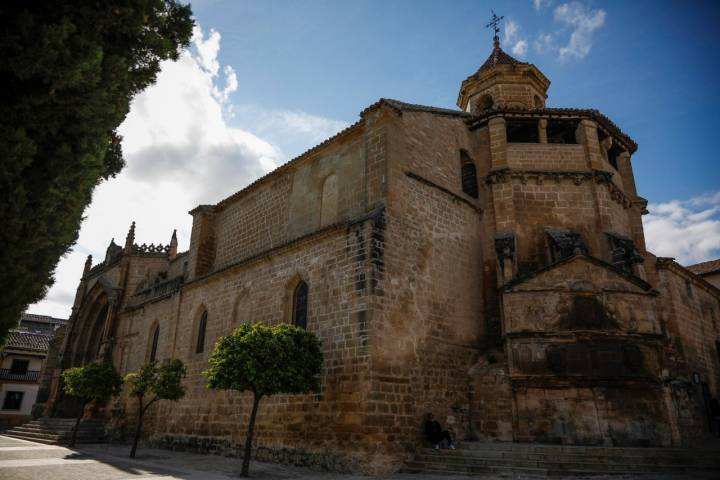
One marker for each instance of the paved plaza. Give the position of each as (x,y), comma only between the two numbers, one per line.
(23,460)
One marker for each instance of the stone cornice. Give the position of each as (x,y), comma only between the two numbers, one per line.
(567,381)
(601,177)
(669,263)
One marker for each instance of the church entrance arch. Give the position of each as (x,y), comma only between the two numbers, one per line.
(87,334)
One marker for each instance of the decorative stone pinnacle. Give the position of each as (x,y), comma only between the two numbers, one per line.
(130,239)
(88,265)
(494,23)
(172,252)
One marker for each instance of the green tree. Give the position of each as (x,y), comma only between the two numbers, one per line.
(265,361)
(158,382)
(92,382)
(69,70)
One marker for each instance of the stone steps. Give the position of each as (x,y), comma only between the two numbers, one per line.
(561,465)
(55,431)
(613,458)
(556,460)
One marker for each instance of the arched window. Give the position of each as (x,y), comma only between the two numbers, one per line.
(300,305)
(200,346)
(485,102)
(154,344)
(329,204)
(537,101)
(468,175)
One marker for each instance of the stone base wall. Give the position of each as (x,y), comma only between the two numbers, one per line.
(620,416)
(286,456)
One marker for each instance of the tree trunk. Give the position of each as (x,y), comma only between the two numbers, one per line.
(248,439)
(77,425)
(138,430)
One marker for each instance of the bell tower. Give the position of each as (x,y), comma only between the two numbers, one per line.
(503,82)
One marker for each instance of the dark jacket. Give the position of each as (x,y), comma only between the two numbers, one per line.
(433,430)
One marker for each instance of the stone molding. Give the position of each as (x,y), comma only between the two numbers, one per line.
(601,177)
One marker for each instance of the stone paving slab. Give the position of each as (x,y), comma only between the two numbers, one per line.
(24,460)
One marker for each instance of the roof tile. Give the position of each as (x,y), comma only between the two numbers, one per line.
(35,342)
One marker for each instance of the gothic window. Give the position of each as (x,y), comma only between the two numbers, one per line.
(688,288)
(564,244)
(202,326)
(522,131)
(468,175)
(154,344)
(329,205)
(300,305)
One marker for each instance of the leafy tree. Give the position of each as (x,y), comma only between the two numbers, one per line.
(160,382)
(92,382)
(265,360)
(69,70)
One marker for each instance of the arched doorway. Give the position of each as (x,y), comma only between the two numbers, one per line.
(83,343)
(88,332)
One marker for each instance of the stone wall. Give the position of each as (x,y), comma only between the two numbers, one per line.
(333,264)
(288,205)
(428,319)
(543,156)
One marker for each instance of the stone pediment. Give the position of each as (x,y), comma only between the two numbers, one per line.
(580,293)
(579,273)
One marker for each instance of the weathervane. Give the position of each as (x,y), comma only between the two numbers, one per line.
(494,22)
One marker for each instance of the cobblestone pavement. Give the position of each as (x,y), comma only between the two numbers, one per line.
(23,460)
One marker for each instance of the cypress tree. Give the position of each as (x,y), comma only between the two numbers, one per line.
(69,71)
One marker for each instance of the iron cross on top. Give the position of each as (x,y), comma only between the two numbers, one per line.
(494,22)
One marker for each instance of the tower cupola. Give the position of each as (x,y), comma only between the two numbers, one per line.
(503,82)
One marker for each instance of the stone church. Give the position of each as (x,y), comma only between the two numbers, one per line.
(486,264)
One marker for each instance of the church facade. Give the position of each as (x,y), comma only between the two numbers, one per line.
(486,264)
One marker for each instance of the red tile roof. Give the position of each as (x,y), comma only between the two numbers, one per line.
(705,268)
(34,342)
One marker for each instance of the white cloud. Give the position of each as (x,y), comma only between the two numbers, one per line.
(540,4)
(518,44)
(207,49)
(583,22)
(292,131)
(545,42)
(688,230)
(180,152)
(520,48)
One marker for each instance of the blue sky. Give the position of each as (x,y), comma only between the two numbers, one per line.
(652,66)
(263,81)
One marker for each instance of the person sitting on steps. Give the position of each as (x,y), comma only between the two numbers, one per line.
(436,435)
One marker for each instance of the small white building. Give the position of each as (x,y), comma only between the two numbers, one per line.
(21,361)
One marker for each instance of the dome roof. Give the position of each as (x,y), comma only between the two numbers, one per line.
(498,57)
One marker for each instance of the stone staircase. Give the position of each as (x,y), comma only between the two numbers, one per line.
(541,461)
(58,431)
